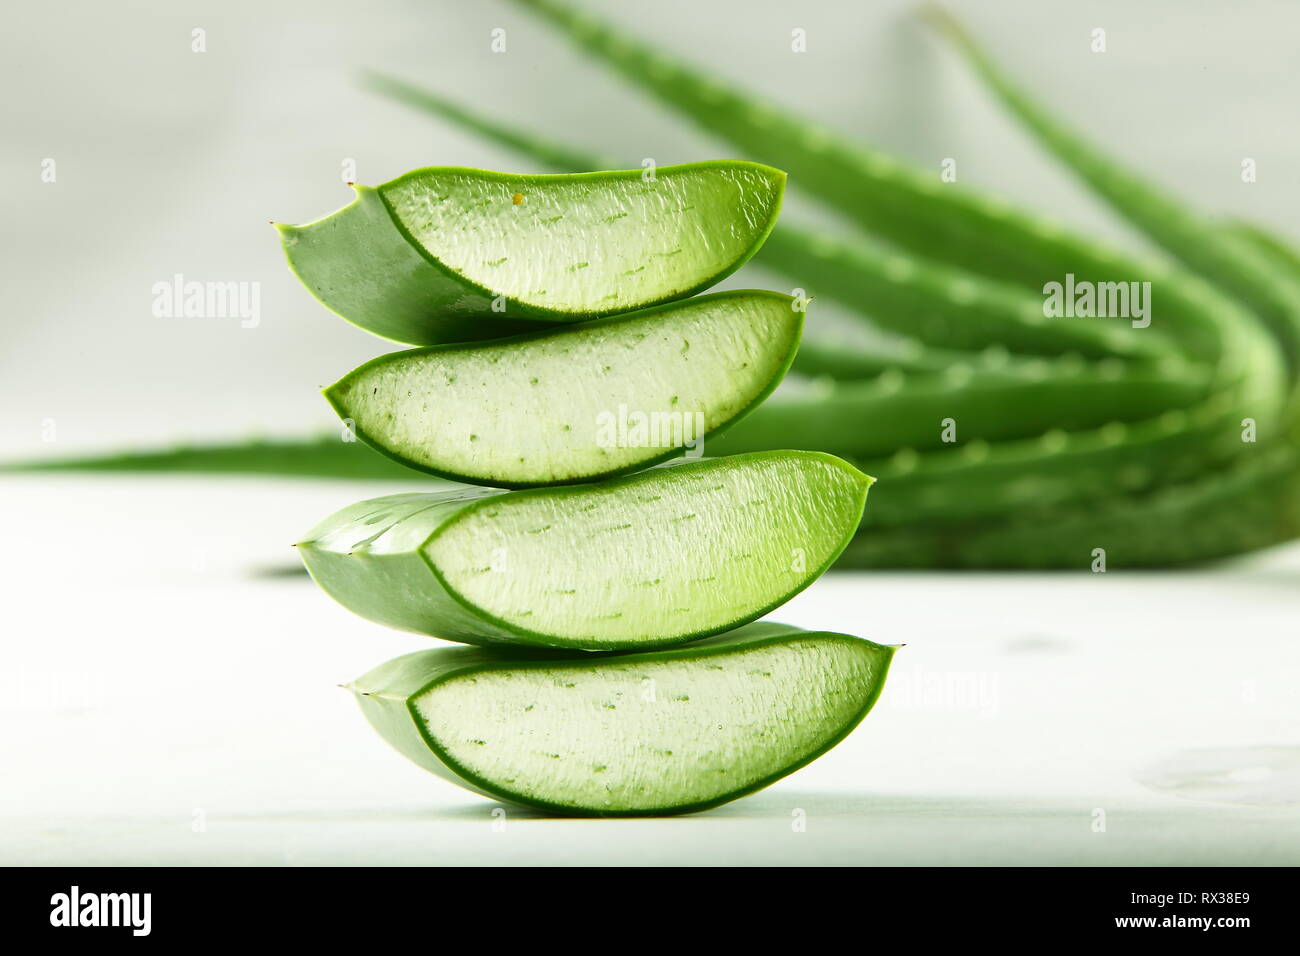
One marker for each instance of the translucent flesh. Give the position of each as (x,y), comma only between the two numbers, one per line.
(646,735)
(588,400)
(587,245)
(667,553)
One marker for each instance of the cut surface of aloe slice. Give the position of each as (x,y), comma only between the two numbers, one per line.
(661,732)
(661,557)
(578,402)
(450,254)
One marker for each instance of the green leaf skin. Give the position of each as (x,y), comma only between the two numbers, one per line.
(1252,503)
(665,556)
(1060,465)
(896,410)
(946,306)
(1282,254)
(543,409)
(1007,476)
(644,734)
(449,254)
(1057,468)
(324,456)
(830,357)
(357,263)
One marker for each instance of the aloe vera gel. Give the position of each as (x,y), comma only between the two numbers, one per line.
(560,405)
(615,669)
(678,552)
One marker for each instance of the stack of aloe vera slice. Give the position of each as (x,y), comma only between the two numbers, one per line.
(614,667)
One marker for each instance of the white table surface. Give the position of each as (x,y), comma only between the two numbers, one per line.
(170,696)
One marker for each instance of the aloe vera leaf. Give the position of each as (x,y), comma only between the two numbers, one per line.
(983,477)
(947,306)
(500,244)
(850,361)
(324,456)
(979,477)
(1116,458)
(565,405)
(664,556)
(1203,245)
(1284,255)
(1252,502)
(649,733)
(1056,467)
(897,410)
(839,359)
(830,356)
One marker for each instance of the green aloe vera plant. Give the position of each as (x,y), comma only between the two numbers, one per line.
(544,408)
(658,732)
(665,556)
(1069,433)
(448,254)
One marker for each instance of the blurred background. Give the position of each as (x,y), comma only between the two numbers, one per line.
(168,689)
(170,161)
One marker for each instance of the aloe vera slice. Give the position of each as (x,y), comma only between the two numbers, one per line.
(446,254)
(578,402)
(639,734)
(661,557)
